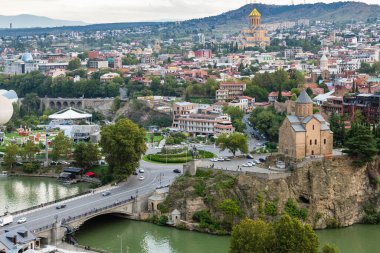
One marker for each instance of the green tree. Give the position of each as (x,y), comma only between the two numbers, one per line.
(328,248)
(123,145)
(10,156)
(233,142)
(267,121)
(236,115)
(29,150)
(257,92)
(61,146)
(293,236)
(86,154)
(74,64)
(285,235)
(30,104)
(361,144)
(229,207)
(251,236)
(338,128)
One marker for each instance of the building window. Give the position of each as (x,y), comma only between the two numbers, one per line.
(315,142)
(313,127)
(311,142)
(324,141)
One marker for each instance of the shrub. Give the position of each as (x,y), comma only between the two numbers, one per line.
(200,189)
(163,220)
(292,209)
(30,167)
(372,216)
(203,173)
(202,215)
(271,208)
(162,208)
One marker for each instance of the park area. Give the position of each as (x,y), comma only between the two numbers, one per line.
(177,155)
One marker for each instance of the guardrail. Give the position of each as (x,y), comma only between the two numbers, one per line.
(49,203)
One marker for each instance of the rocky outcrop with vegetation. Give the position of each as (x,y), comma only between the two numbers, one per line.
(323,193)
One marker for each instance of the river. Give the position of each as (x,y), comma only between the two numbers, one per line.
(18,193)
(111,233)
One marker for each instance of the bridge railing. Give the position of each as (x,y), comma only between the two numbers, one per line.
(96,210)
(50,203)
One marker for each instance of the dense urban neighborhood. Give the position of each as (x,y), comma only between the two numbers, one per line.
(266,132)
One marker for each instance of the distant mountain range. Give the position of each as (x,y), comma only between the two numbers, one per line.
(29,21)
(230,21)
(339,12)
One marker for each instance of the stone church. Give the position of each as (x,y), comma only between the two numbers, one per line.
(305,134)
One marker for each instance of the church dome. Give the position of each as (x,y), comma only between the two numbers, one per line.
(6,110)
(255,13)
(27,57)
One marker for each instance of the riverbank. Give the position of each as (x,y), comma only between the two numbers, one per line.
(112,233)
(323,193)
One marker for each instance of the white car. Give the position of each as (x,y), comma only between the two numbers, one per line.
(21,220)
(251,163)
(141,178)
(227,159)
(245,165)
(141,170)
(221,159)
(213,160)
(257,162)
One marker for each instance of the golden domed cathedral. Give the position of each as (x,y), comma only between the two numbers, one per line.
(255,35)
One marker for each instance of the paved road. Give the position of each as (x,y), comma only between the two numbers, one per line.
(46,215)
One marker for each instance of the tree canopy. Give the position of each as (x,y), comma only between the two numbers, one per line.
(123,145)
(285,235)
(233,142)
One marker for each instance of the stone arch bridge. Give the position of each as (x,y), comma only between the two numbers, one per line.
(57,231)
(103,105)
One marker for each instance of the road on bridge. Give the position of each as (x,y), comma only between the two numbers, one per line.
(45,216)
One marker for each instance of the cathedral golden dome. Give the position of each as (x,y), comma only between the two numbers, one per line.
(255,13)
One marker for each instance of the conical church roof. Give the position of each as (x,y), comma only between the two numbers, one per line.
(255,13)
(304,98)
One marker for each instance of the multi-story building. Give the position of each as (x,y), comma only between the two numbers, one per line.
(203,53)
(21,66)
(180,109)
(230,90)
(205,124)
(367,104)
(97,64)
(109,77)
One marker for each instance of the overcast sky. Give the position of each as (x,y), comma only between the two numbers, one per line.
(102,11)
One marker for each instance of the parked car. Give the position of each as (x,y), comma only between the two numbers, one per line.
(227,159)
(251,164)
(257,161)
(141,170)
(21,220)
(220,159)
(245,165)
(141,178)
(60,206)
(177,171)
(262,160)
(249,157)
(104,194)
(135,173)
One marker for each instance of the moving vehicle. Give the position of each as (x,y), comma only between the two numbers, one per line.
(21,220)
(106,194)
(60,206)
(141,170)
(141,178)
(6,220)
(177,171)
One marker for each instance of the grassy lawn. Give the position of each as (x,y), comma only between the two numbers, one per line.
(176,158)
(157,138)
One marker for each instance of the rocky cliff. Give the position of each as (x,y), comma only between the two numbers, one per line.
(324,193)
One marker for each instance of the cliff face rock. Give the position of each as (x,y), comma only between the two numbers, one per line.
(333,193)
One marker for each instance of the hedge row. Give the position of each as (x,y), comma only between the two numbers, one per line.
(177,158)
